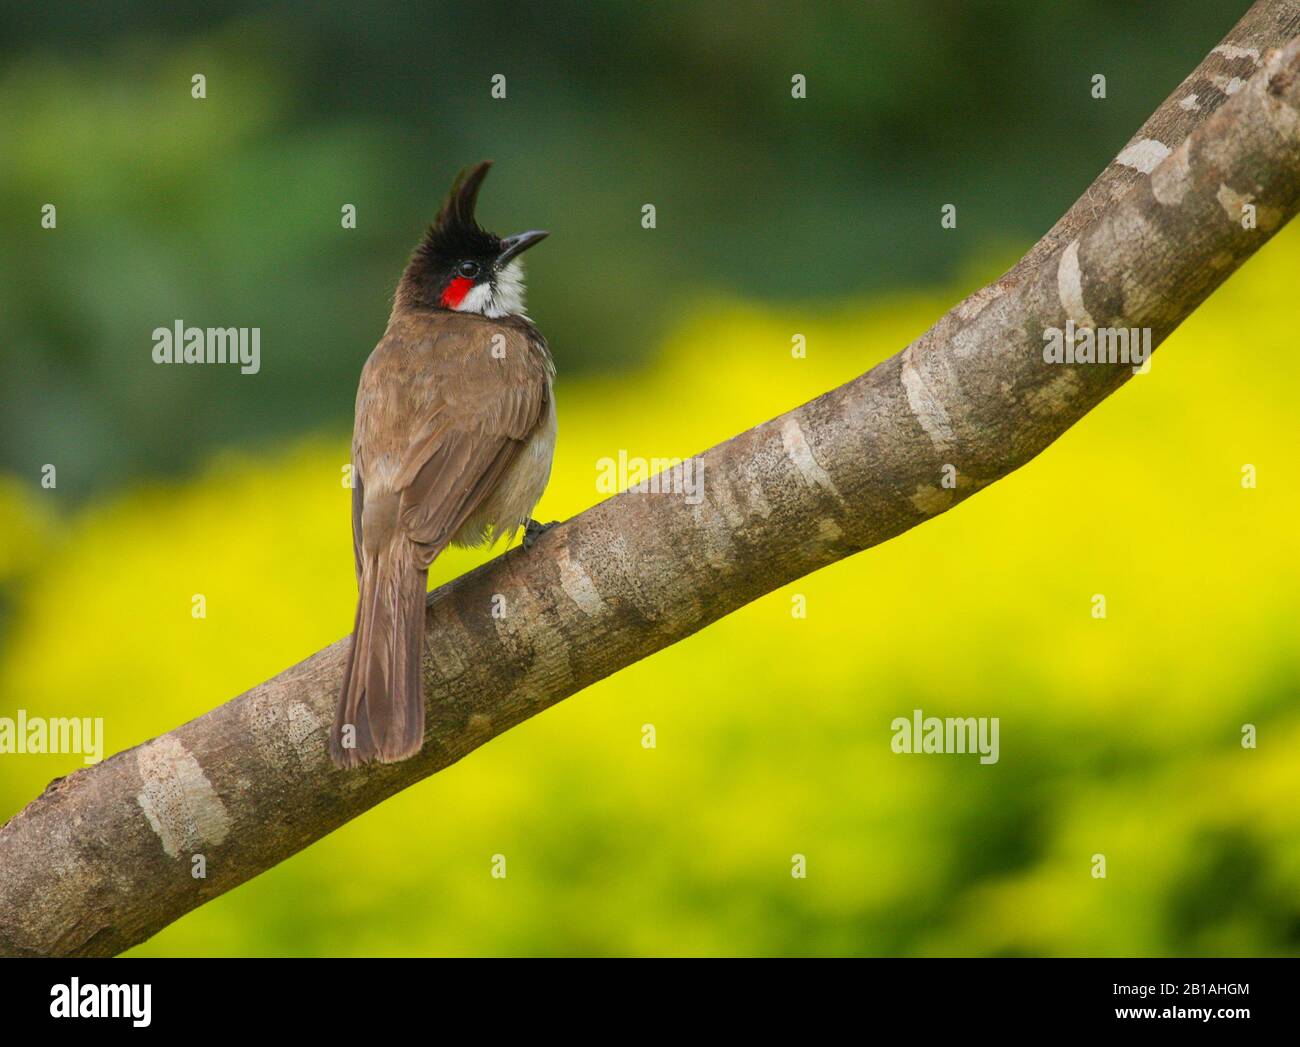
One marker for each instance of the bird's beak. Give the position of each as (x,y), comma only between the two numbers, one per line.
(520,242)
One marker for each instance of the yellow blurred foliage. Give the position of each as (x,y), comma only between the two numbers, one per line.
(1119,737)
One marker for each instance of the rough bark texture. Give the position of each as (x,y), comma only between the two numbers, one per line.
(102,859)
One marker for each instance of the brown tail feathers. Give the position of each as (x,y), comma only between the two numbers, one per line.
(381,707)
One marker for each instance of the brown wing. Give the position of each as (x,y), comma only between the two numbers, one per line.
(358,504)
(451,400)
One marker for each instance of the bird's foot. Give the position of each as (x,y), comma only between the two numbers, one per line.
(534,530)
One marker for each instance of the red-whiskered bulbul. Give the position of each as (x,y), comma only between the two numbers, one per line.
(454,434)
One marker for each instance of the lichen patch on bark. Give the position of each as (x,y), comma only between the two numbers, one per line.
(176,797)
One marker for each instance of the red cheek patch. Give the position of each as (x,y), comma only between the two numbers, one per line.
(456,292)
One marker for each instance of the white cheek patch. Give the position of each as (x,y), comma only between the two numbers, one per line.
(477,299)
(503,295)
(508,298)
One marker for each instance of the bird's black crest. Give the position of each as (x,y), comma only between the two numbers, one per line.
(454,236)
(455,233)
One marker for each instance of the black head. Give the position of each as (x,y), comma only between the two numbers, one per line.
(460,265)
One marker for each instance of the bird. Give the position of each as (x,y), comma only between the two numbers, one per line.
(452,444)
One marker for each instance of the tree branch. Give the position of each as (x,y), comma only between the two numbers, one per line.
(102,859)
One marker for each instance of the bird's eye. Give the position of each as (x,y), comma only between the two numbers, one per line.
(469,270)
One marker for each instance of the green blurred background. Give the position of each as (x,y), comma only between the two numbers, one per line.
(775,216)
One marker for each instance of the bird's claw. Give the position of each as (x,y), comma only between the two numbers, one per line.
(534,530)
